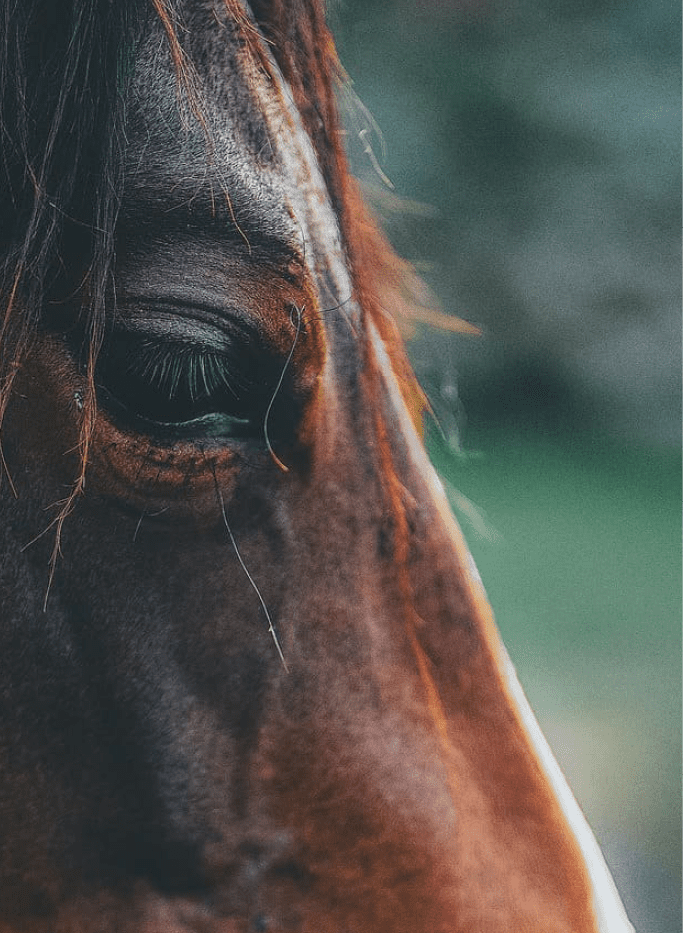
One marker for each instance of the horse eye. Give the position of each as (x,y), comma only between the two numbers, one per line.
(178,389)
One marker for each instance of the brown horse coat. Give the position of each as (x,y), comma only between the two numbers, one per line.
(257,686)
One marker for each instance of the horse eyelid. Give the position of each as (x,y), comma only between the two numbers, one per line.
(174,388)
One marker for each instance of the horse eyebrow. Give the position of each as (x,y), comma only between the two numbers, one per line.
(160,208)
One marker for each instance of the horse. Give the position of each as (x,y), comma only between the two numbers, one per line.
(249,676)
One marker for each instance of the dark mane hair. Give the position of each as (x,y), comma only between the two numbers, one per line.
(64,71)
(64,75)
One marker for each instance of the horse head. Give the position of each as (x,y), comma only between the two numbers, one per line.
(249,676)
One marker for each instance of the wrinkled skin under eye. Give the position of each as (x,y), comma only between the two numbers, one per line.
(179,389)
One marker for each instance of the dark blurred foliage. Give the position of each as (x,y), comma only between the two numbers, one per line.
(537,147)
(533,149)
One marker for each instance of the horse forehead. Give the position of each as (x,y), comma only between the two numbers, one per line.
(239,142)
(189,141)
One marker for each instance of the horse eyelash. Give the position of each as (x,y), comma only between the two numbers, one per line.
(201,372)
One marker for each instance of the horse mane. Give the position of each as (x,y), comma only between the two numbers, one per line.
(62,78)
(64,72)
(304,49)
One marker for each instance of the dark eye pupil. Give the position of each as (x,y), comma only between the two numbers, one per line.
(166,382)
(174,384)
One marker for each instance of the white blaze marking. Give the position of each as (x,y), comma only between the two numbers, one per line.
(609,911)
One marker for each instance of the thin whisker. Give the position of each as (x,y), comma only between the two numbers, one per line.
(271,627)
(283,467)
(4,471)
(137,527)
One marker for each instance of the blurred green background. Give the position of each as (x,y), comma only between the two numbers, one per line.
(533,150)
